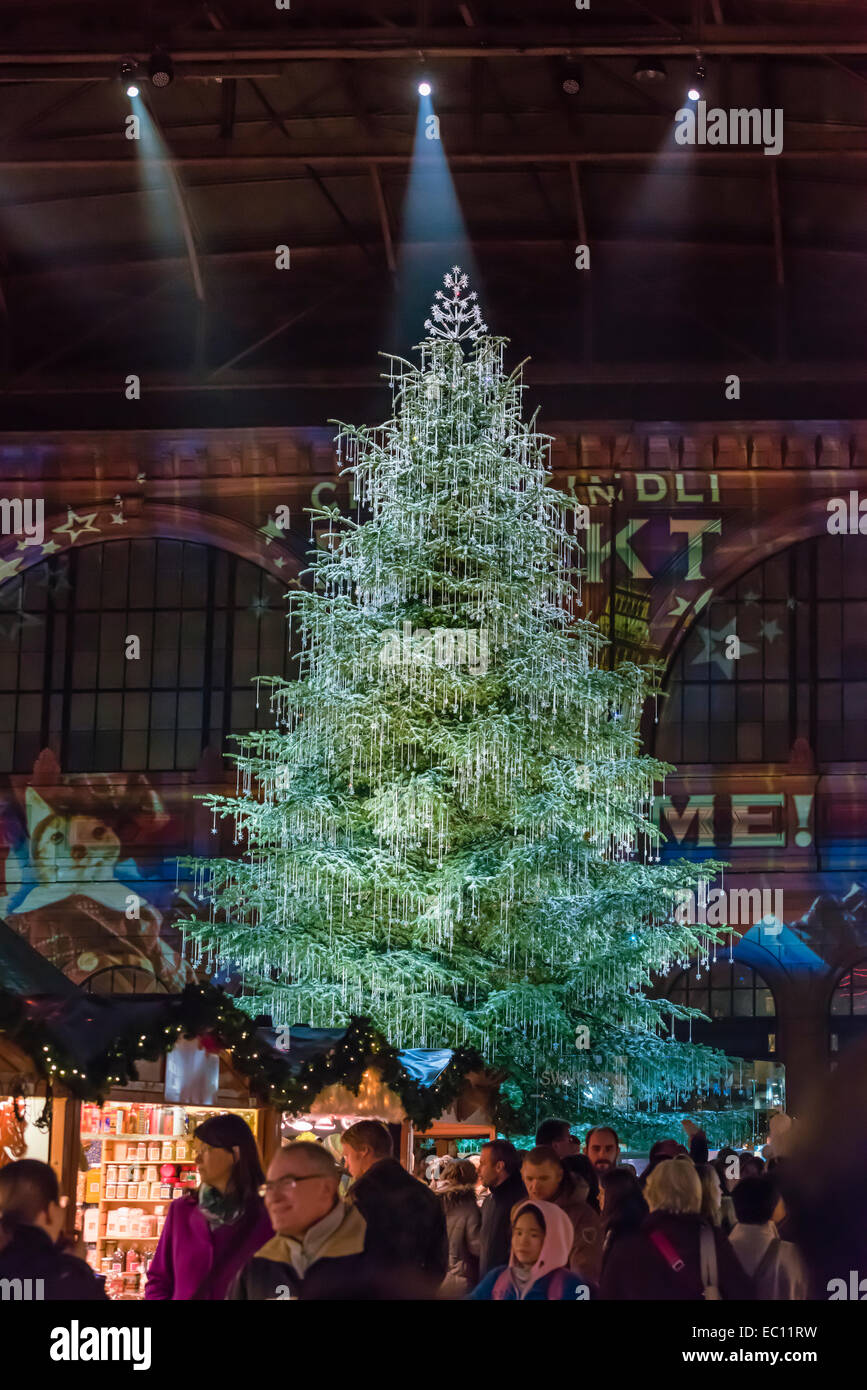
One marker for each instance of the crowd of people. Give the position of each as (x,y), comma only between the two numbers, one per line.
(558,1221)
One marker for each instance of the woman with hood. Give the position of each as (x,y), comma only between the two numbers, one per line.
(538,1268)
(463,1224)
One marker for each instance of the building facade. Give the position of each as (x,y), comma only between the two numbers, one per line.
(134,620)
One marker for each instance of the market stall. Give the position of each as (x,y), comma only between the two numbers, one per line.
(402,1089)
(125,1082)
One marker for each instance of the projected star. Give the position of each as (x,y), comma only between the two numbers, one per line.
(714,641)
(8,568)
(771,630)
(73,520)
(751,598)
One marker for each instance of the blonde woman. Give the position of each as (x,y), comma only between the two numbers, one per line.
(675,1254)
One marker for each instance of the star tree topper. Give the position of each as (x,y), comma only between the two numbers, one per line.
(455,318)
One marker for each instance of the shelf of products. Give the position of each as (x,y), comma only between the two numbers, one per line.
(140,1158)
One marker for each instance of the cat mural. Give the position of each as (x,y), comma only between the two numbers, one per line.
(79,914)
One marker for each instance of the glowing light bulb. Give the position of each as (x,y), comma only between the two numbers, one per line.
(424,89)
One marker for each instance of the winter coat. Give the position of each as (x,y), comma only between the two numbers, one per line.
(570,1287)
(406,1225)
(496,1233)
(196,1260)
(585,1257)
(463,1226)
(500,1283)
(338,1269)
(636,1269)
(31,1254)
(774,1265)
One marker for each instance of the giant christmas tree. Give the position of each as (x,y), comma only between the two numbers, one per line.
(449,827)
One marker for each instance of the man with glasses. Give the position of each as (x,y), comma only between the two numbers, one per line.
(318,1242)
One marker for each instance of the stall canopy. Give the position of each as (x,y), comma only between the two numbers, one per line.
(90,1043)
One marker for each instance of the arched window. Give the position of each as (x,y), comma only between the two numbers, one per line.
(71,679)
(800,620)
(849,999)
(724,989)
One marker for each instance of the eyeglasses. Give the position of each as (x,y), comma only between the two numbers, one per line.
(287,1184)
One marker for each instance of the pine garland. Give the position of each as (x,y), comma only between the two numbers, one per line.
(203,1011)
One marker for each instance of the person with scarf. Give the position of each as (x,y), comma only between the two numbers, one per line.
(542,1238)
(209,1235)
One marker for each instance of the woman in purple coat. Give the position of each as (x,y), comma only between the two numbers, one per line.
(210,1235)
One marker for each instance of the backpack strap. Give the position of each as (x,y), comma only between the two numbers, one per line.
(708,1263)
(667,1251)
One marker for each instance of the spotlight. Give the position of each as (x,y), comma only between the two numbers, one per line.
(573,77)
(697,85)
(424,89)
(128,70)
(160,69)
(649,70)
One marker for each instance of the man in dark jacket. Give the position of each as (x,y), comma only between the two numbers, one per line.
(318,1242)
(500,1171)
(406,1226)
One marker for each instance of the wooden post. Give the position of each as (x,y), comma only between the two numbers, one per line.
(405,1151)
(64,1151)
(268,1119)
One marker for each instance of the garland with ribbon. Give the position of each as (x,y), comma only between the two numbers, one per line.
(209,1014)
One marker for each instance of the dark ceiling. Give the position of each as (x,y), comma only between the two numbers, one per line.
(295,127)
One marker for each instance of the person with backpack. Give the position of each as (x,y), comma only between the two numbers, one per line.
(542,1238)
(675,1254)
(774,1265)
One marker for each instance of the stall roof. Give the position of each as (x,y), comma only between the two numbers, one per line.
(424,1065)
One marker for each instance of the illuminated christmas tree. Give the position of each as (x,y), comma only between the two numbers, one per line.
(450,829)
